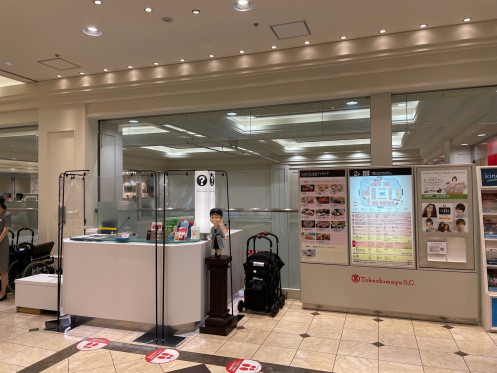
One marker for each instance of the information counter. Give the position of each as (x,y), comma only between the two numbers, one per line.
(116,280)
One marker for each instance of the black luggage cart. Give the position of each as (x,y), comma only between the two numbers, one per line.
(262,278)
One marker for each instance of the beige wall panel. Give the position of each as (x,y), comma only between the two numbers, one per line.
(435,293)
(64,140)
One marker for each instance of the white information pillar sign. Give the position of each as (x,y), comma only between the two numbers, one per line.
(205,197)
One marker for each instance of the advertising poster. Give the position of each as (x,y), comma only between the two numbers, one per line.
(381,224)
(450,184)
(323,216)
(444,217)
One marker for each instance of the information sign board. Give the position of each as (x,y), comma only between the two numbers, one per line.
(381,217)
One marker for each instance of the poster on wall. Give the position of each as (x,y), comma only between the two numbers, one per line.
(448,184)
(444,217)
(323,216)
(381,221)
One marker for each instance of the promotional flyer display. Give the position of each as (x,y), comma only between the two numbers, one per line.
(444,212)
(323,216)
(450,184)
(381,211)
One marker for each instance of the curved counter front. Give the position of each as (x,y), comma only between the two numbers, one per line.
(116,281)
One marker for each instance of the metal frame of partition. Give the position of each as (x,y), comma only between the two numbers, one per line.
(184,171)
(63,325)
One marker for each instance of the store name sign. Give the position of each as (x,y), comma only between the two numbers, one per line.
(399,282)
(489,176)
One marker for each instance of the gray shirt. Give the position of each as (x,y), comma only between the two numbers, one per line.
(5,221)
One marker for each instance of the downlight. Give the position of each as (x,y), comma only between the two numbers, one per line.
(92,31)
(242,5)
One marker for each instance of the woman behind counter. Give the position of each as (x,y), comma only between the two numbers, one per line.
(5,223)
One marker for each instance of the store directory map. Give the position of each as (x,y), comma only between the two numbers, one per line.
(381,223)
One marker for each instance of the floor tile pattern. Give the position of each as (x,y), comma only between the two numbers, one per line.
(297,340)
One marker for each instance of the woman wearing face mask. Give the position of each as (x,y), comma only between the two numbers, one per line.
(5,223)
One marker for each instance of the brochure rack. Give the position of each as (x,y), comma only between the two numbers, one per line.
(487,203)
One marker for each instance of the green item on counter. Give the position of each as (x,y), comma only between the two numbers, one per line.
(169,225)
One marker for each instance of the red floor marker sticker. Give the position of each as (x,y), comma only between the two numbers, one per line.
(92,344)
(243,366)
(162,356)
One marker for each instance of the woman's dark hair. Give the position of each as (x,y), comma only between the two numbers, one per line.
(433,213)
(2,201)
(216,211)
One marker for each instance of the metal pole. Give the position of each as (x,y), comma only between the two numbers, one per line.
(229,240)
(59,244)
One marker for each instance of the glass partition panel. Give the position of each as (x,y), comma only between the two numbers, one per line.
(452,126)
(315,133)
(24,214)
(285,225)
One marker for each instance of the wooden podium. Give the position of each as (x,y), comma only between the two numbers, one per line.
(219,321)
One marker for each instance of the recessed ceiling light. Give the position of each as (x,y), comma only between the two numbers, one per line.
(8,63)
(182,60)
(467,19)
(350,103)
(196,11)
(242,5)
(307,42)
(343,37)
(92,31)
(59,76)
(482,134)
(383,31)
(106,70)
(273,46)
(130,67)
(423,25)
(97,2)
(464,144)
(81,73)
(156,63)
(133,121)
(242,52)
(211,55)
(231,114)
(148,10)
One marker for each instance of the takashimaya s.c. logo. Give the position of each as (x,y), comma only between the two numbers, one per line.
(355,278)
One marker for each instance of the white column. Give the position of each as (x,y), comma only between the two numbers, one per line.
(111,164)
(381,129)
(447,151)
(66,141)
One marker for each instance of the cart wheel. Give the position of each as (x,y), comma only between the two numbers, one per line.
(35,268)
(275,308)
(14,273)
(282,301)
(240,306)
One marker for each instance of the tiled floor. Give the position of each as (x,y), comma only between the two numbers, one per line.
(295,341)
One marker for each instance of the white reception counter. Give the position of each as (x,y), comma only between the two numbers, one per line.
(113,280)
